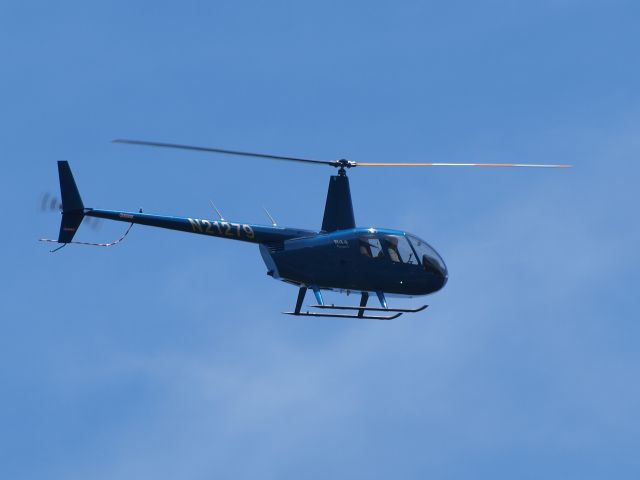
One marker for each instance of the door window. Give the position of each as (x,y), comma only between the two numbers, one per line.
(370,247)
(399,249)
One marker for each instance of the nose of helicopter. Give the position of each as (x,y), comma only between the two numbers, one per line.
(433,279)
(445,277)
(442,277)
(438,274)
(434,271)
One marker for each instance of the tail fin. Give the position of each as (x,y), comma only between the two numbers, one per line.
(72,206)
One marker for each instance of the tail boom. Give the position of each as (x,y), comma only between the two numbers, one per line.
(73,212)
(233,231)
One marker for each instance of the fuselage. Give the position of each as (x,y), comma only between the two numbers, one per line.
(359,259)
(356,259)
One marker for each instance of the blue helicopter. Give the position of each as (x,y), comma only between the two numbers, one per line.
(339,257)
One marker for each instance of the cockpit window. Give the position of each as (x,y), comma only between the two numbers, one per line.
(370,247)
(390,245)
(399,249)
(428,257)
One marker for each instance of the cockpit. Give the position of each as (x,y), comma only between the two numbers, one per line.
(429,258)
(403,249)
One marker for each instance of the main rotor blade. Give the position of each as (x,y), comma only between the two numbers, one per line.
(332,163)
(358,164)
(223,151)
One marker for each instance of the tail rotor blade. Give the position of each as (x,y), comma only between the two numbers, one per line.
(93,222)
(50,203)
(44,202)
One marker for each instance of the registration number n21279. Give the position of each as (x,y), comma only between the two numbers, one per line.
(222,229)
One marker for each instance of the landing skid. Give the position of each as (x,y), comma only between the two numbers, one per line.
(361,310)
(343,315)
(373,309)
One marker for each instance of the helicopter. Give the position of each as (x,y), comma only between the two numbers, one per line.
(340,256)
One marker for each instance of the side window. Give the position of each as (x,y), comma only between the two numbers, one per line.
(399,250)
(406,252)
(370,247)
(391,244)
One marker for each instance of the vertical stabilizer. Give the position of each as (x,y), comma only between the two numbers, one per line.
(71,200)
(72,206)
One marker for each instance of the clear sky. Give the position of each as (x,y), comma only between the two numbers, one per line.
(167,356)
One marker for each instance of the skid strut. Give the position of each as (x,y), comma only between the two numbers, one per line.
(301,293)
(363,303)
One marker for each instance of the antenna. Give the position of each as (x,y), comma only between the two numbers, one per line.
(217,211)
(273,222)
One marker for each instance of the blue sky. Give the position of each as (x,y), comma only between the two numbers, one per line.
(167,357)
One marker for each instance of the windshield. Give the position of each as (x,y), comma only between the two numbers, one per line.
(427,256)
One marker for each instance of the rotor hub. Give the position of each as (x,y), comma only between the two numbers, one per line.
(343,164)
